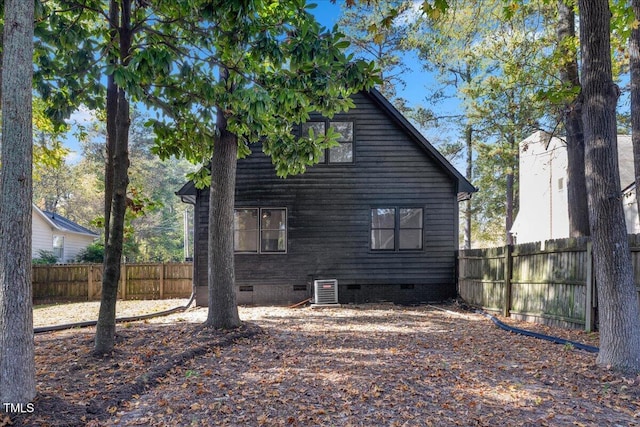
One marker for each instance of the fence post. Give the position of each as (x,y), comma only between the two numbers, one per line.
(90,282)
(48,276)
(589,318)
(123,280)
(506,309)
(162,280)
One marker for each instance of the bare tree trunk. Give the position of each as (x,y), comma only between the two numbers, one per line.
(634,68)
(509,217)
(511,192)
(576,181)
(106,327)
(468,134)
(619,309)
(223,309)
(17,365)
(112,112)
(572,119)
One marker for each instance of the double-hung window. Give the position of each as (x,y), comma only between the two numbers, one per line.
(58,247)
(343,152)
(260,230)
(395,228)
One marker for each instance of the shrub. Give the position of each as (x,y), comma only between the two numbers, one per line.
(45,257)
(93,253)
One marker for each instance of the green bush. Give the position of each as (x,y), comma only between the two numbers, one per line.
(94,253)
(45,257)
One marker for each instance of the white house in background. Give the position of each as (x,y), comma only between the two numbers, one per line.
(544,212)
(55,233)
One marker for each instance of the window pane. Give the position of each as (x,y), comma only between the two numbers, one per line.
(343,153)
(58,241)
(274,241)
(317,127)
(345,129)
(322,157)
(382,239)
(410,218)
(273,230)
(58,247)
(273,219)
(245,219)
(245,226)
(411,239)
(245,241)
(383,218)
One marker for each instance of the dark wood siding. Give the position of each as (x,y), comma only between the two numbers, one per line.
(329,210)
(200,242)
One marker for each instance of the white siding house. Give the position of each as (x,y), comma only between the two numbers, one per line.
(543,207)
(55,233)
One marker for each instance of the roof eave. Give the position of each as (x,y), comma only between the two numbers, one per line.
(59,228)
(188,189)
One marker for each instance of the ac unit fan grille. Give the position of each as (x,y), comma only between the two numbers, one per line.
(326,291)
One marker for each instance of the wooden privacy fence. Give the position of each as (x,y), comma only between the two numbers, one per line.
(83,282)
(548,282)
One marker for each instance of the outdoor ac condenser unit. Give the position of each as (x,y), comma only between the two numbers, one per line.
(325,291)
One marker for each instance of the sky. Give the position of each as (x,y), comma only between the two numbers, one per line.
(417,80)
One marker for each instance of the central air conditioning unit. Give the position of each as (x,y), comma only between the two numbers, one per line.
(325,291)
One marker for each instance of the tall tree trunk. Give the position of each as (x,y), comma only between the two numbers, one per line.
(17,365)
(106,327)
(468,135)
(112,112)
(508,223)
(619,309)
(511,191)
(223,309)
(634,68)
(572,119)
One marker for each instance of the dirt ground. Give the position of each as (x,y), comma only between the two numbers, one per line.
(371,365)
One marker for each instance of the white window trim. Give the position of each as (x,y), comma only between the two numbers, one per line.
(61,248)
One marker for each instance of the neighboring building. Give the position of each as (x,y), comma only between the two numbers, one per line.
(379,214)
(55,233)
(544,209)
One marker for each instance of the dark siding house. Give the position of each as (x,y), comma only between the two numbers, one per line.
(379,214)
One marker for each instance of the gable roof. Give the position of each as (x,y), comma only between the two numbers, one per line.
(63,224)
(187,193)
(464,187)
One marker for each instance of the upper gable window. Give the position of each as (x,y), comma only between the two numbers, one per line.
(343,152)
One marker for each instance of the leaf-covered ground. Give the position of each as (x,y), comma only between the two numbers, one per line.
(62,314)
(351,366)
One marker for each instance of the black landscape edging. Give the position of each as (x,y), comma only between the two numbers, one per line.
(556,340)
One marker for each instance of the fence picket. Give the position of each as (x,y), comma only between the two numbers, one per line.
(550,282)
(82,282)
